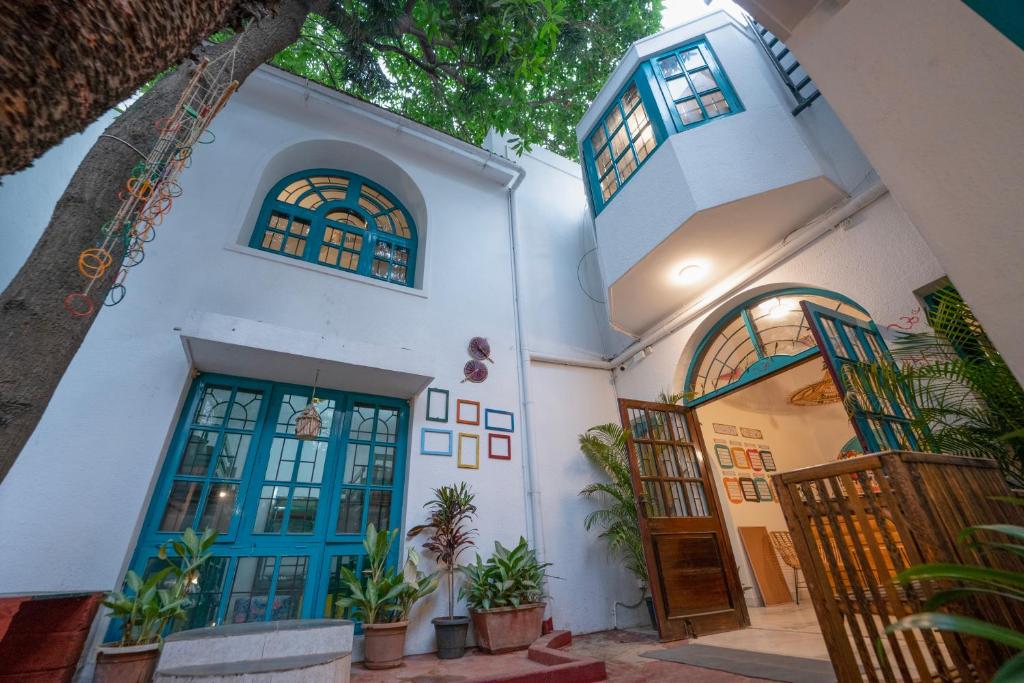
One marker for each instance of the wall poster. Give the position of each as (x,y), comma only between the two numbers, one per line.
(749,490)
(732,489)
(751,433)
(728,430)
(724,456)
(754,456)
(768,459)
(764,489)
(739,456)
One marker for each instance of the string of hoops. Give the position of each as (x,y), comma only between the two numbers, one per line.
(152,187)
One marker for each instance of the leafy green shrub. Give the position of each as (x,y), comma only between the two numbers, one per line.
(384,595)
(509,578)
(146,606)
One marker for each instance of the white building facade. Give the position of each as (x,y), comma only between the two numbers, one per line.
(320,240)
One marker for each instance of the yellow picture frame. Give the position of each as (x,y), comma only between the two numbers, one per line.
(464,451)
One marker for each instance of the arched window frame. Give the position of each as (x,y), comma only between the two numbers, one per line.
(765,365)
(319,233)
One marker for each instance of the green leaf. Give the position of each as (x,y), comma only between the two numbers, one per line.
(986,575)
(941,621)
(1012,671)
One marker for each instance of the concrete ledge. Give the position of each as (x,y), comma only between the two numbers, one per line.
(561,667)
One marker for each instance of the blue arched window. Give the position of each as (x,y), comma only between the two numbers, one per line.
(760,336)
(339,220)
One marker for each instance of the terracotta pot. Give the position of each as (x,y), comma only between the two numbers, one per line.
(131,664)
(384,645)
(505,629)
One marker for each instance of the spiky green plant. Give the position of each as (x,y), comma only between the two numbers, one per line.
(450,512)
(605,446)
(970,403)
(972,580)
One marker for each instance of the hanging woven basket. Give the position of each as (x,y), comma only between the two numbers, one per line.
(308,424)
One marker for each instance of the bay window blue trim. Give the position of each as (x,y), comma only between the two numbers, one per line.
(719,75)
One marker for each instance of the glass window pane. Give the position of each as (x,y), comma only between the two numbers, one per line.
(219,508)
(195,461)
(608,186)
(311,462)
(379,198)
(291,584)
(299,227)
(212,406)
(398,273)
(335,586)
(353,241)
(631,98)
(181,505)
(384,224)
(383,465)
(715,104)
(356,463)
(604,161)
(350,512)
(692,59)
(292,191)
(350,261)
(272,240)
(270,510)
(380,509)
(637,120)
(205,595)
(363,422)
(281,464)
(250,591)
(328,255)
(278,221)
(644,143)
(613,119)
(620,141)
(703,80)
(333,235)
(245,409)
(294,246)
(381,268)
(234,449)
(598,139)
(689,111)
(401,255)
(626,165)
(679,88)
(346,217)
(670,66)
(305,501)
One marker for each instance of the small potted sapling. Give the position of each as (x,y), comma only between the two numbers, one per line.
(450,513)
(148,605)
(383,598)
(506,597)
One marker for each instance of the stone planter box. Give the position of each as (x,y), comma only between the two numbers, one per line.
(505,629)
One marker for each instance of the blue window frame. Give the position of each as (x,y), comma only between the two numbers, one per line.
(339,220)
(694,85)
(290,512)
(757,338)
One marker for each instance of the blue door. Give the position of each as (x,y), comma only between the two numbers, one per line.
(290,512)
(882,412)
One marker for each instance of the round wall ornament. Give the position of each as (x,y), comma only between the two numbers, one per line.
(474,371)
(480,349)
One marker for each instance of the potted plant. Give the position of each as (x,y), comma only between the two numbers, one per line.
(148,605)
(382,599)
(449,511)
(605,446)
(505,597)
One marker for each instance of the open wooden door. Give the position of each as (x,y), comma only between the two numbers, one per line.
(881,410)
(690,563)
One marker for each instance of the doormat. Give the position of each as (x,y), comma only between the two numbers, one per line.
(752,664)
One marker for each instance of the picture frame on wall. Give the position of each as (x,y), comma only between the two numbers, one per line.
(733,492)
(739,457)
(469,451)
(724,456)
(749,489)
(499,446)
(768,460)
(764,490)
(467,412)
(499,420)
(435,441)
(437,405)
(754,456)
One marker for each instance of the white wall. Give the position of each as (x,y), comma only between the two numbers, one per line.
(931,92)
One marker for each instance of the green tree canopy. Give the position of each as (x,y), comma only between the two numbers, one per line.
(529,67)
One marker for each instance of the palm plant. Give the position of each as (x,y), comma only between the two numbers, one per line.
(973,580)
(605,446)
(450,511)
(969,401)
(147,605)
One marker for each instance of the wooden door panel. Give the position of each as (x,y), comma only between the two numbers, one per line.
(692,572)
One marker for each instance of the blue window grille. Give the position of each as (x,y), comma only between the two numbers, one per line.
(757,338)
(339,220)
(290,512)
(694,85)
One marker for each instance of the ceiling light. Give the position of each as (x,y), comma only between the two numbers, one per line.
(690,273)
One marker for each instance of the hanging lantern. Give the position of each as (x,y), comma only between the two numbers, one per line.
(308,423)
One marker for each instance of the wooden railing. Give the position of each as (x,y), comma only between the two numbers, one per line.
(856,523)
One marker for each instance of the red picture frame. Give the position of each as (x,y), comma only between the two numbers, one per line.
(498,444)
(461,406)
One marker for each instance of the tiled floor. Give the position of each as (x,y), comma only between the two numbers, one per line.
(782,630)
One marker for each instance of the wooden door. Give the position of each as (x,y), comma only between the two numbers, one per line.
(690,563)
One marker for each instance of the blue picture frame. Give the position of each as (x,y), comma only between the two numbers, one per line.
(490,415)
(423,441)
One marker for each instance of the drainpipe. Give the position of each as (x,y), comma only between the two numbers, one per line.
(535,515)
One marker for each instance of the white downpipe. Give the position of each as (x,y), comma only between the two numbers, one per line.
(535,514)
(595,363)
(793,244)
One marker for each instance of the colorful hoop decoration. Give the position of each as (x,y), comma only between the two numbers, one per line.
(134,256)
(115,295)
(79,304)
(140,188)
(207,141)
(169,189)
(93,263)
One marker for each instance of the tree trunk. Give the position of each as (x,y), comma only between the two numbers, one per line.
(38,338)
(63,64)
